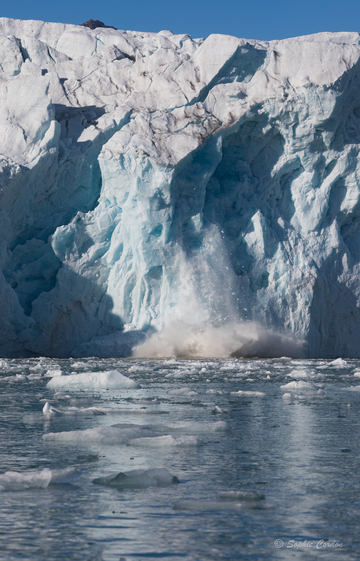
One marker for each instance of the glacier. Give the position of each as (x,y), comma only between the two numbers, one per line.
(162,195)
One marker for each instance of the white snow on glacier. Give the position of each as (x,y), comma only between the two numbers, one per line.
(165,195)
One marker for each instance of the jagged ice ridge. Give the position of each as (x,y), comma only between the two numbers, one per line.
(165,195)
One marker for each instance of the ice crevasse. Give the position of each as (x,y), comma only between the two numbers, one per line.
(167,195)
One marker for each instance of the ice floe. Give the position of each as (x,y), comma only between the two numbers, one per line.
(101,435)
(20,481)
(112,379)
(244,393)
(138,479)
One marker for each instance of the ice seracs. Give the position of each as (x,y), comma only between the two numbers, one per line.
(158,190)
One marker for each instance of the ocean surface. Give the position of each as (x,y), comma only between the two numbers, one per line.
(208,460)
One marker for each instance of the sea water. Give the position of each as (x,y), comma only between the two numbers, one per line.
(207,460)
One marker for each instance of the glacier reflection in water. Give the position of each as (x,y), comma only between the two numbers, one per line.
(207,460)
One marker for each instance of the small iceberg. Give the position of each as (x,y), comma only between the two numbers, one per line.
(301,385)
(110,380)
(20,481)
(138,479)
(101,435)
(49,411)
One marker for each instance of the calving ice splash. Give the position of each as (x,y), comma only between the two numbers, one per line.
(166,195)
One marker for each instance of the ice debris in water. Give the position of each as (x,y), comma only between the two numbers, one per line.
(340,362)
(183,392)
(138,479)
(19,481)
(55,372)
(244,393)
(168,440)
(190,426)
(301,385)
(102,435)
(49,411)
(112,379)
(302,373)
(135,435)
(218,410)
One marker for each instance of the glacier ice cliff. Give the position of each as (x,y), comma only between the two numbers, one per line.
(164,195)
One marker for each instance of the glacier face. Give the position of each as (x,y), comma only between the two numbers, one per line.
(164,195)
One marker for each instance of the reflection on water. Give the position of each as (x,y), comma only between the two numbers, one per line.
(272,470)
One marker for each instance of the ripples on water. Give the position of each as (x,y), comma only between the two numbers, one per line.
(256,460)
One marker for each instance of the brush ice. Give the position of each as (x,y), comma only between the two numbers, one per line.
(19,481)
(110,380)
(138,479)
(172,196)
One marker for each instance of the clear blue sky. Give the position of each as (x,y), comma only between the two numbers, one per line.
(256,19)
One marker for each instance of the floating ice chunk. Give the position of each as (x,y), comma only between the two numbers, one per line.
(218,410)
(184,392)
(53,373)
(357,374)
(248,496)
(138,479)
(131,411)
(167,440)
(101,435)
(49,411)
(340,362)
(112,379)
(352,389)
(248,393)
(193,426)
(80,366)
(19,481)
(301,385)
(302,373)
(62,396)
(4,364)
